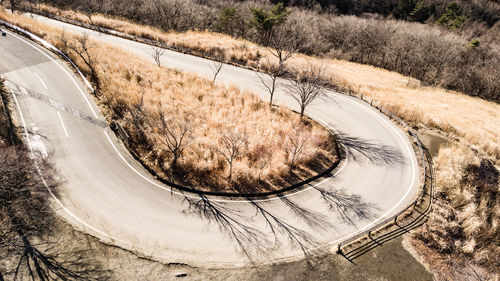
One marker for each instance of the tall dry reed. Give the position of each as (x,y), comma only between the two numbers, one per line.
(141,95)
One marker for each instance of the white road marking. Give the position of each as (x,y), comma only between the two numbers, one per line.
(41,80)
(62,123)
(67,73)
(141,175)
(43,179)
(409,150)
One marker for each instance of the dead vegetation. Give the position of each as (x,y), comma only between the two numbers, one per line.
(27,219)
(180,126)
(458,115)
(444,52)
(462,190)
(464,226)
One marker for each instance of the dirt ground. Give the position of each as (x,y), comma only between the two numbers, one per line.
(389,262)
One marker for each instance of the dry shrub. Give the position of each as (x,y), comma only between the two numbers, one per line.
(471,119)
(139,94)
(464,224)
(210,110)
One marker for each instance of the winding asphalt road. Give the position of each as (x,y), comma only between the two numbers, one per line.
(109,195)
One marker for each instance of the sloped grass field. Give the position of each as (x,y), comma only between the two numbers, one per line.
(194,133)
(456,114)
(452,245)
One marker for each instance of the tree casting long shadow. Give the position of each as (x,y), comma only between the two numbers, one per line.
(253,241)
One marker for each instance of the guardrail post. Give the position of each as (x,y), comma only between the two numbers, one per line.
(339,250)
(396,220)
(370,234)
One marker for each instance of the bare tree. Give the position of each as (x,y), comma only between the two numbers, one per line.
(231,142)
(217,65)
(173,15)
(138,114)
(261,158)
(83,49)
(26,215)
(91,7)
(270,79)
(287,40)
(296,145)
(306,88)
(157,54)
(174,133)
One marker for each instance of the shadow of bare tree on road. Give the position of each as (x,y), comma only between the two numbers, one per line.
(314,219)
(257,228)
(347,206)
(296,236)
(260,240)
(376,153)
(232,222)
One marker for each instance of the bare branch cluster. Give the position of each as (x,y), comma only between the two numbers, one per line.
(232,140)
(26,215)
(307,87)
(157,53)
(174,132)
(82,49)
(217,65)
(297,145)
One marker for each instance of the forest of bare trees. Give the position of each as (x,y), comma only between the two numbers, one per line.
(442,43)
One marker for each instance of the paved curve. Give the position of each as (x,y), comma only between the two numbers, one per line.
(107,194)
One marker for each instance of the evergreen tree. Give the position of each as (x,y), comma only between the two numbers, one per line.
(265,21)
(420,13)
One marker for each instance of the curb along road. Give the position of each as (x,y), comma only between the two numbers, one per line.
(398,205)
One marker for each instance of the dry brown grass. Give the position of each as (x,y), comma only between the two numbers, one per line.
(210,111)
(464,226)
(474,121)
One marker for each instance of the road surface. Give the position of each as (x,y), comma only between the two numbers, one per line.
(109,195)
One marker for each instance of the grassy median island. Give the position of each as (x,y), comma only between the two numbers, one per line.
(207,137)
(451,244)
(189,131)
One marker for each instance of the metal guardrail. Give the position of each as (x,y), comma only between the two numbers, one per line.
(48,46)
(137,38)
(426,160)
(397,228)
(121,131)
(371,102)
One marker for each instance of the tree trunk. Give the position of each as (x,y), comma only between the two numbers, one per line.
(174,162)
(12,5)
